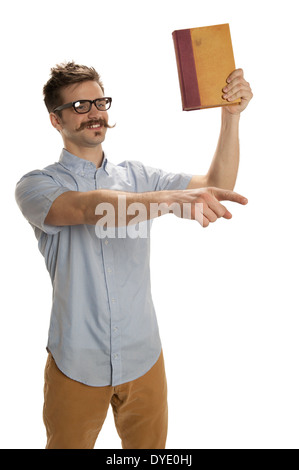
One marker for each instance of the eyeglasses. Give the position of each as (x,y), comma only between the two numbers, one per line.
(84,106)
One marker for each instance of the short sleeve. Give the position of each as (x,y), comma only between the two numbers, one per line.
(162,180)
(35,193)
(147,178)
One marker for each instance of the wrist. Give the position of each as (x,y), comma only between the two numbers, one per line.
(229,118)
(157,203)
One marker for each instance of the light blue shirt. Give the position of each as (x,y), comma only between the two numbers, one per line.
(103,326)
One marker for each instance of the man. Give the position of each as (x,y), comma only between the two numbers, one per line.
(104,345)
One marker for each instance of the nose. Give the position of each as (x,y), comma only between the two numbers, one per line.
(94,111)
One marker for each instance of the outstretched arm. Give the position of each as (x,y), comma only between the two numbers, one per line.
(203,205)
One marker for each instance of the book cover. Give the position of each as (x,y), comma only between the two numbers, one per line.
(204,59)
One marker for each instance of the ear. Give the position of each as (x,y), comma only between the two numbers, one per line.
(55,121)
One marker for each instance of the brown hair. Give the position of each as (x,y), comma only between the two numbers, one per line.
(63,75)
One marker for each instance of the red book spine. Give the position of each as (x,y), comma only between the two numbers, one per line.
(186,67)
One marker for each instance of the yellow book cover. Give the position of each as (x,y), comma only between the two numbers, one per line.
(204,58)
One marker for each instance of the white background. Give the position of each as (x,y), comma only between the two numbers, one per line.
(225,296)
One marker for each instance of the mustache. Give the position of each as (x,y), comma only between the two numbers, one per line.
(101,121)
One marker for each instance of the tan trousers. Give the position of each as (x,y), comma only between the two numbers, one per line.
(74,413)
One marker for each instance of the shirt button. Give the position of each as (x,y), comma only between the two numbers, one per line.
(109,270)
(106,242)
(115,328)
(113,301)
(115,356)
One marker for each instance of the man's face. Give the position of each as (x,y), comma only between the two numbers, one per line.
(76,128)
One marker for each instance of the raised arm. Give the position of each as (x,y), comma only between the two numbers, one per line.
(224,166)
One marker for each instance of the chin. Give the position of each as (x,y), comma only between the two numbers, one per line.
(96,136)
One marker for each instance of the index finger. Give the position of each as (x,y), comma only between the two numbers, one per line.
(227,195)
(236,73)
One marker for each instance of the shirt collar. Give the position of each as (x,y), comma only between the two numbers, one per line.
(79,165)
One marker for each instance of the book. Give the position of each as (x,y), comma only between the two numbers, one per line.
(204,59)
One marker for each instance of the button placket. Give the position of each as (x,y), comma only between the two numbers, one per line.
(115,338)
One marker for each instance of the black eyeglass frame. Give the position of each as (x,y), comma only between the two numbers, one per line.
(91,102)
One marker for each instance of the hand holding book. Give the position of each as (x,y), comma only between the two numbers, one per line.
(237,88)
